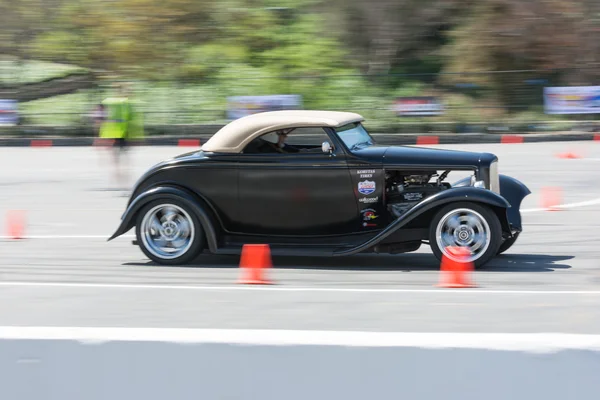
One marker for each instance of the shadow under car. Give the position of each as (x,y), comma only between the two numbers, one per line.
(368,262)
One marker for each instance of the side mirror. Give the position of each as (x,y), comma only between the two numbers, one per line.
(327,148)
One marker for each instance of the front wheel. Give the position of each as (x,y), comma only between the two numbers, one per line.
(468,225)
(168,232)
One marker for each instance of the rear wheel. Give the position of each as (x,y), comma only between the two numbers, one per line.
(168,232)
(469,225)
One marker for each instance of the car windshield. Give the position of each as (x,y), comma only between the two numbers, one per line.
(355,136)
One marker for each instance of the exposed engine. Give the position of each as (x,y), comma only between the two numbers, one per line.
(403,191)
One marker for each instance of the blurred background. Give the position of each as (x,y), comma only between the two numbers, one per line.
(187,67)
(406,65)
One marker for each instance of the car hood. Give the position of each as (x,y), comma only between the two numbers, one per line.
(425,157)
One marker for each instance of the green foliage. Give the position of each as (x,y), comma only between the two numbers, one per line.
(68,109)
(414,88)
(15,72)
(205,61)
(187,57)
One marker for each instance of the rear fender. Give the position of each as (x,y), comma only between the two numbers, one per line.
(440,199)
(513,191)
(170,192)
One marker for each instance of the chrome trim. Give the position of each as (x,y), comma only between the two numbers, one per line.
(494,178)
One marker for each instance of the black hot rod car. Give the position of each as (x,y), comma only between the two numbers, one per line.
(316,183)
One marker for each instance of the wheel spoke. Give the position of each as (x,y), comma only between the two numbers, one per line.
(453,222)
(448,239)
(169,213)
(161,242)
(478,242)
(184,228)
(178,243)
(155,225)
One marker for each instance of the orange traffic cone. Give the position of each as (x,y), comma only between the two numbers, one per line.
(15,224)
(551,198)
(255,258)
(569,155)
(455,271)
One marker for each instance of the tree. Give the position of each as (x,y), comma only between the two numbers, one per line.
(386,33)
(545,38)
(125,35)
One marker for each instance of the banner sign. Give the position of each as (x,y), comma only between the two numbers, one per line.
(240,106)
(8,112)
(418,106)
(572,100)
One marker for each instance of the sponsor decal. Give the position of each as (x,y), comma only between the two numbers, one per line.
(413,196)
(369,199)
(366,187)
(369,214)
(365,173)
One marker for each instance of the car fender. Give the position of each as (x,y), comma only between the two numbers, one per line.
(451,195)
(513,190)
(169,192)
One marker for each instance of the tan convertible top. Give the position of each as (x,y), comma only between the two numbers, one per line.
(234,137)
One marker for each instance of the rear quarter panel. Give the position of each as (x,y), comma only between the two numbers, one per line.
(215,181)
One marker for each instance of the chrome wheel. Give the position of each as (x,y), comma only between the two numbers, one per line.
(167,231)
(463,227)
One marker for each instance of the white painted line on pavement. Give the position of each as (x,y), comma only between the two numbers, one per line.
(271,288)
(526,342)
(569,205)
(68,237)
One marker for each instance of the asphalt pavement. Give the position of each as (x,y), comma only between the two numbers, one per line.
(66,274)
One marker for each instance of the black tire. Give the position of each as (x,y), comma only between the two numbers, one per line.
(193,246)
(477,210)
(507,244)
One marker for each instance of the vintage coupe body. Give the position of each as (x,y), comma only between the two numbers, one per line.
(339,193)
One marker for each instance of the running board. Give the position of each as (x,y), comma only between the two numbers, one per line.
(281,251)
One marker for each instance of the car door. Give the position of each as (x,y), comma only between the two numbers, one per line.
(306,193)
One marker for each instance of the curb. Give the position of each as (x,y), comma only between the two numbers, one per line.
(387,139)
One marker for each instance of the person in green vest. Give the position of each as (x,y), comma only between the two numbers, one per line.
(122,125)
